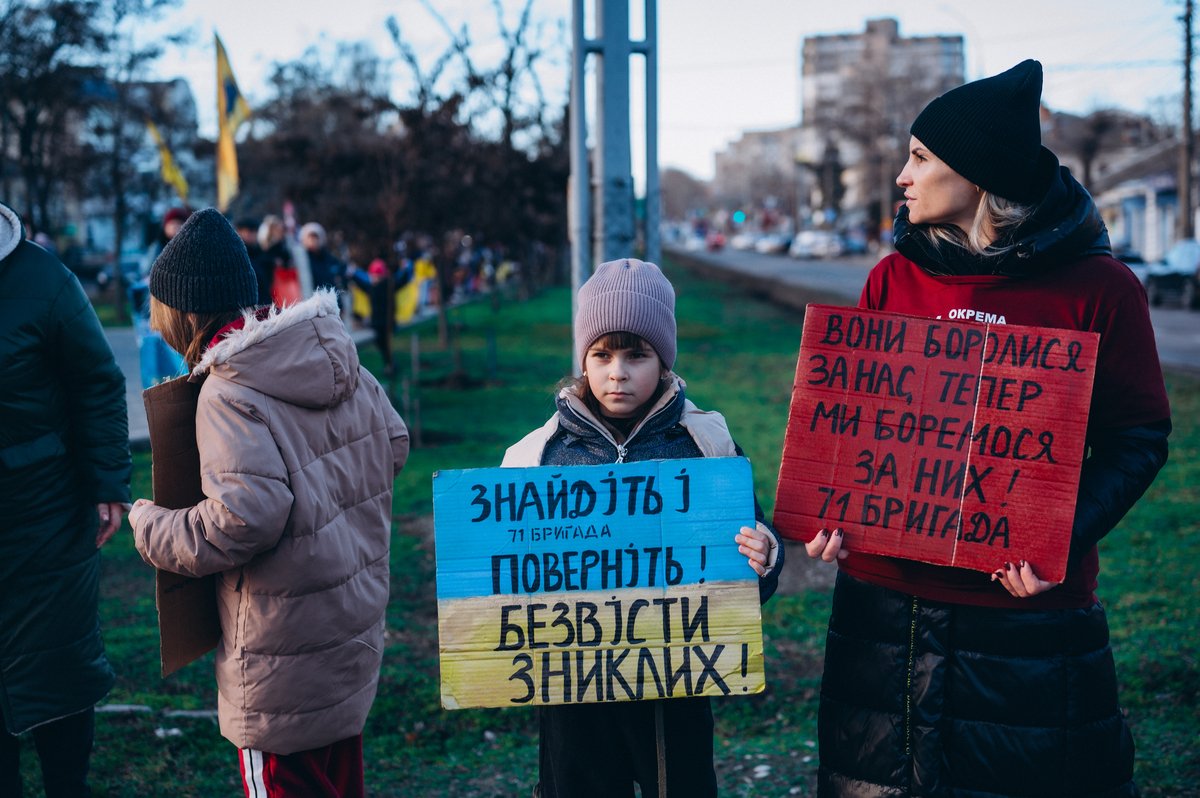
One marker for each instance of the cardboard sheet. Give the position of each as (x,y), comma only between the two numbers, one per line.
(582,584)
(188,625)
(949,442)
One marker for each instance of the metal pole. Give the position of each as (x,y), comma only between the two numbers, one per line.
(1186,226)
(653,194)
(580,185)
(615,218)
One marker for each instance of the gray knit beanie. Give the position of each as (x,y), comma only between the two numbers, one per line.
(627,295)
(989,131)
(205,268)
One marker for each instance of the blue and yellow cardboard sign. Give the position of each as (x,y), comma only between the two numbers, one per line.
(586,584)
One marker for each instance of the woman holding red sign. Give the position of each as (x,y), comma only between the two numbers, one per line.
(944,681)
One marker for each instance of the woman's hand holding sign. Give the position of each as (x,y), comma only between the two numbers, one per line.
(1020,580)
(826,546)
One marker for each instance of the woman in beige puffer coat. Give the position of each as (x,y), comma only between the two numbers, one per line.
(298,446)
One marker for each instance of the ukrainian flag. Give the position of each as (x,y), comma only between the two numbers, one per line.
(232,111)
(170,171)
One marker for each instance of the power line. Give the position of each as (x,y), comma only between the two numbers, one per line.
(1112,65)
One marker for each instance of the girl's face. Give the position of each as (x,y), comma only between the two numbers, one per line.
(935,193)
(622,380)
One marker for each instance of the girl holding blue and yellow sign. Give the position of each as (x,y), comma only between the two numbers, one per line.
(629,406)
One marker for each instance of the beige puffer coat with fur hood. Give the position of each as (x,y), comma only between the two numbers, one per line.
(298,449)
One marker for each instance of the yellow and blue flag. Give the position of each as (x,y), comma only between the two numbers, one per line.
(232,111)
(171,174)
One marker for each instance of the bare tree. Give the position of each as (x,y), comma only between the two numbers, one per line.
(44,92)
(125,106)
(682,194)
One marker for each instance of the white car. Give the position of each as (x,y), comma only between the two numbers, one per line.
(772,244)
(816,244)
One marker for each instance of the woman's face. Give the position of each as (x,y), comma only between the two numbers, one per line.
(935,193)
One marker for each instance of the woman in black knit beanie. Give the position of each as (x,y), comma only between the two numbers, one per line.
(941,681)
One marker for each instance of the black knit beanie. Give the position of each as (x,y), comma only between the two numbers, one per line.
(205,268)
(990,132)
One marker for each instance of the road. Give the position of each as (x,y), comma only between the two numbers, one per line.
(795,282)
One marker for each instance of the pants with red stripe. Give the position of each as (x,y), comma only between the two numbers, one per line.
(331,771)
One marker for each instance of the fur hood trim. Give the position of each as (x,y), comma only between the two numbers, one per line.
(322,303)
(11,231)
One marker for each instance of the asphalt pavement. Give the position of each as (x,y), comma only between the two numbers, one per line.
(124,345)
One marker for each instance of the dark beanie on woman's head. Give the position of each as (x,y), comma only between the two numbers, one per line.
(205,268)
(990,132)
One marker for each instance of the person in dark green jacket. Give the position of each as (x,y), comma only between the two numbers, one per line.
(64,486)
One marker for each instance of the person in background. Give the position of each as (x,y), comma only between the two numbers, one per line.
(158,361)
(380,286)
(630,406)
(247,230)
(944,681)
(326,270)
(274,268)
(299,447)
(64,487)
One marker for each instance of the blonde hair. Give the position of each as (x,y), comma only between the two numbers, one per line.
(995,218)
(270,231)
(188,333)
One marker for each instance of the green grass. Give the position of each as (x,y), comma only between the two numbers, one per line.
(739,355)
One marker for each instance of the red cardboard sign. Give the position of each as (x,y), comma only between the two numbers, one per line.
(948,442)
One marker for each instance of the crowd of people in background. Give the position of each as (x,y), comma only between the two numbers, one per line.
(392,287)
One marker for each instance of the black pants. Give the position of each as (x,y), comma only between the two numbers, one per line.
(64,747)
(600,750)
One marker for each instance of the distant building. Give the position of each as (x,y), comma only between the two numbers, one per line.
(838,69)
(859,94)
(1130,165)
(759,169)
(172,107)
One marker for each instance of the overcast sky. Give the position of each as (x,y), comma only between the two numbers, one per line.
(725,65)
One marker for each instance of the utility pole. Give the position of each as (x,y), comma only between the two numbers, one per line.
(601,215)
(1186,226)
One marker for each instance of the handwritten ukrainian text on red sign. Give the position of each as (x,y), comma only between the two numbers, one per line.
(947,442)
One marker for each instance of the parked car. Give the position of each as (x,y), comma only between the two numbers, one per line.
(1176,277)
(773,244)
(855,243)
(744,240)
(816,244)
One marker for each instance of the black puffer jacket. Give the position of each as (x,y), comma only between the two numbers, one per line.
(968,702)
(64,447)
